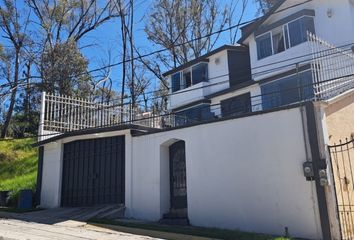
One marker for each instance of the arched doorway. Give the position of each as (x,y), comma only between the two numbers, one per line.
(178,180)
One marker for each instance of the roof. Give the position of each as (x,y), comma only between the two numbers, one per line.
(248,29)
(204,58)
(132,127)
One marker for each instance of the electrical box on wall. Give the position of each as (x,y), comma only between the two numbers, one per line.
(308,171)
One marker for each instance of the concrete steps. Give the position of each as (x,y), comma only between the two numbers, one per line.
(176,217)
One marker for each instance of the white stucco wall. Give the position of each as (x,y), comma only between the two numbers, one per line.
(51,178)
(337,29)
(242,174)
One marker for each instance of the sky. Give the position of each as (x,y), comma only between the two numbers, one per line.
(106,38)
(98,43)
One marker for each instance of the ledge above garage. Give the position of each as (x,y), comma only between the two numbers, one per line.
(132,127)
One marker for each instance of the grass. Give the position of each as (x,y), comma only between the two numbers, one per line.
(18,165)
(194,231)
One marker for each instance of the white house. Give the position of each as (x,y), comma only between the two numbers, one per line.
(281,57)
(216,84)
(273,167)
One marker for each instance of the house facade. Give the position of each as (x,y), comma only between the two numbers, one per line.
(254,139)
(280,54)
(214,85)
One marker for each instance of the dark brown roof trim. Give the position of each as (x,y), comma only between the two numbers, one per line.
(132,127)
(204,58)
(254,26)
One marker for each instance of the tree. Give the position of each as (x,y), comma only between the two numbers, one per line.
(13,24)
(265,5)
(62,25)
(64,70)
(173,22)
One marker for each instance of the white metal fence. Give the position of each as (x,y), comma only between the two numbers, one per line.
(332,68)
(61,114)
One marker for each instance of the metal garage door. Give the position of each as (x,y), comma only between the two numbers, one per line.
(93,172)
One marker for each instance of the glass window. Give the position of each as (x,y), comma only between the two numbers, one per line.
(236,105)
(200,73)
(287,90)
(264,46)
(278,40)
(176,82)
(194,115)
(187,79)
(286,33)
(298,30)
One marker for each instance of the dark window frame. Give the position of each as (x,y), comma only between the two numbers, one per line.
(288,37)
(236,105)
(182,84)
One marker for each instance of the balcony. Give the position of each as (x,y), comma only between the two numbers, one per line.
(331,74)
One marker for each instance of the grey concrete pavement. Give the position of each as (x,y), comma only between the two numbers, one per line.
(57,224)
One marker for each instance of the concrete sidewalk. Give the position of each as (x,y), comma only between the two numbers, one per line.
(70,230)
(61,224)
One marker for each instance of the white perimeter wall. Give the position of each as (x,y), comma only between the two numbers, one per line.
(242,174)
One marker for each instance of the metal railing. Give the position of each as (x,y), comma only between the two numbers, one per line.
(332,71)
(332,68)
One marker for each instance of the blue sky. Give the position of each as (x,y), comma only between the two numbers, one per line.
(107,38)
(99,42)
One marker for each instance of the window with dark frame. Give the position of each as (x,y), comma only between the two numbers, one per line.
(189,77)
(236,105)
(200,73)
(284,37)
(287,90)
(176,82)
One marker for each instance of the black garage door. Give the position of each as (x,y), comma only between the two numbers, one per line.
(93,172)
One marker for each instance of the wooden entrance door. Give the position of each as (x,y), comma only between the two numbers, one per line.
(178,183)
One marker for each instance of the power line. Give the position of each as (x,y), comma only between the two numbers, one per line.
(181,44)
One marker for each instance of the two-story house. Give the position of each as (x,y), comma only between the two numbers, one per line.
(279,50)
(216,84)
(272,66)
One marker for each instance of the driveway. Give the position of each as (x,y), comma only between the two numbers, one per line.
(61,224)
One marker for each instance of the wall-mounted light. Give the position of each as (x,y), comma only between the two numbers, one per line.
(217,61)
(329,12)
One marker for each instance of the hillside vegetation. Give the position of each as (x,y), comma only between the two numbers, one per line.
(18,165)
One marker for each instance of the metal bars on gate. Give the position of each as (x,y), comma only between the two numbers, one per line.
(332,68)
(342,160)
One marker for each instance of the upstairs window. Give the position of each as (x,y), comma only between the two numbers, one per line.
(283,37)
(176,82)
(278,40)
(200,73)
(189,77)
(298,30)
(264,46)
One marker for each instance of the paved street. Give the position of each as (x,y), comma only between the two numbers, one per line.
(50,224)
(11,229)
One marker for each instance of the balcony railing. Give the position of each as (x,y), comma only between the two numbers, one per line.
(332,71)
